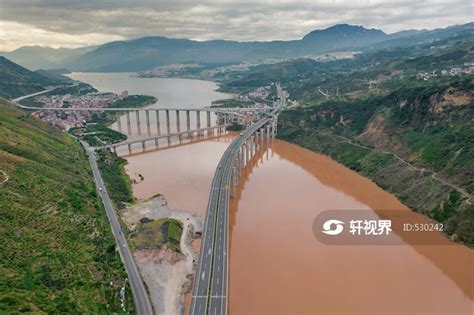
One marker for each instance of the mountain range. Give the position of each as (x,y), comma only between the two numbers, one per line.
(148,52)
(16,80)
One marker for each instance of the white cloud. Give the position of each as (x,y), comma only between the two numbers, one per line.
(75,23)
(14,35)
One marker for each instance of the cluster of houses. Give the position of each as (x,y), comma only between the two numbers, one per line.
(66,120)
(456,71)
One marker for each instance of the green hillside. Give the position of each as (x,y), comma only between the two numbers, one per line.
(57,255)
(16,81)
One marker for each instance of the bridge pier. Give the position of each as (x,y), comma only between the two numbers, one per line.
(255,143)
(168,121)
(246,151)
(188,121)
(234,181)
(137,114)
(208,119)
(257,140)
(119,123)
(198,119)
(178,127)
(157,114)
(241,159)
(147,113)
(274,127)
(129,128)
(239,164)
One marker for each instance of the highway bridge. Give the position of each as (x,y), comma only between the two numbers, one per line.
(143,117)
(211,279)
(188,134)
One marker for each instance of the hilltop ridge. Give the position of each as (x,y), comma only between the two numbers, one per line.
(152,51)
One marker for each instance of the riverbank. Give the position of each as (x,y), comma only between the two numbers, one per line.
(419,189)
(168,273)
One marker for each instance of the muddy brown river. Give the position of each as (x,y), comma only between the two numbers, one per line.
(277,266)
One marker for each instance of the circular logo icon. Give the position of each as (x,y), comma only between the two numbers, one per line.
(333,227)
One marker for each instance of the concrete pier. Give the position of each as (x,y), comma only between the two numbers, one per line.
(168,122)
(119,123)
(188,121)
(129,127)
(158,122)
(137,114)
(147,113)
(198,119)
(178,127)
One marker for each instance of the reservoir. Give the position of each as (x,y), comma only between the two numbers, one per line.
(277,266)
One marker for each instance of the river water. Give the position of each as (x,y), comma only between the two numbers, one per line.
(277,266)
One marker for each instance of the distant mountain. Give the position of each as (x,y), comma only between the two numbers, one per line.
(16,81)
(37,57)
(343,36)
(413,37)
(149,52)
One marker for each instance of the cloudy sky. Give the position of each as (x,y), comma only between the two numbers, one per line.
(73,23)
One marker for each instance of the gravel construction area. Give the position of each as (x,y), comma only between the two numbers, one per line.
(167,274)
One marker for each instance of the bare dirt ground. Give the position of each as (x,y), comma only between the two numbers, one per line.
(167,274)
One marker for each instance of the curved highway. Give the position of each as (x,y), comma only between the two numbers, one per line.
(210,285)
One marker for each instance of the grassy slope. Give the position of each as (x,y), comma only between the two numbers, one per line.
(57,254)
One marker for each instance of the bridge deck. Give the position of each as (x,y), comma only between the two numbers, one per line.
(211,282)
(134,109)
(157,137)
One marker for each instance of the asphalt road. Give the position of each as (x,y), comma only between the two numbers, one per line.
(140,295)
(210,285)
